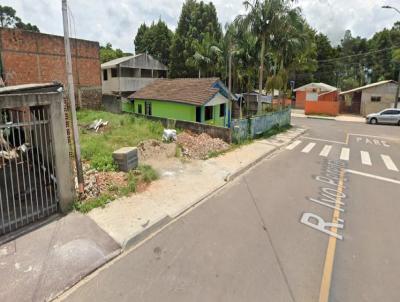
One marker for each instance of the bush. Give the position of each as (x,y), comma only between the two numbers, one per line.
(148,174)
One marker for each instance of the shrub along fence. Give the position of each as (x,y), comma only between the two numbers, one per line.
(252,127)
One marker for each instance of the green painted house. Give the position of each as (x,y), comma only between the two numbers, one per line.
(204,100)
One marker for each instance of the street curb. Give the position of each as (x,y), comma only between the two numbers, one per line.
(321,118)
(140,235)
(234,175)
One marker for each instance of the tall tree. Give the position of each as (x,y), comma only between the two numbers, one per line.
(9,19)
(154,40)
(263,19)
(107,53)
(197,20)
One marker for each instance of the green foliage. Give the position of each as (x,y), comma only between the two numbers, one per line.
(197,20)
(121,131)
(147,173)
(155,40)
(9,19)
(107,53)
(88,205)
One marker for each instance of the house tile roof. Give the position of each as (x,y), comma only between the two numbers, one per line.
(189,91)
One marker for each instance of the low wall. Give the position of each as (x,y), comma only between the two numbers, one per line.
(198,128)
(322,107)
(252,127)
(111,103)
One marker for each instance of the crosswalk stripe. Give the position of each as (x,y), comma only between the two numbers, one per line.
(293,145)
(308,148)
(365,159)
(345,154)
(325,151)
(390,165)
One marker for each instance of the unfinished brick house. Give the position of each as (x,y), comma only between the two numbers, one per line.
(30,57)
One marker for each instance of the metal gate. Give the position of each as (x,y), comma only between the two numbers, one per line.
(28,187)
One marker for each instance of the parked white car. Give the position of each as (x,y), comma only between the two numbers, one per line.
(387,116)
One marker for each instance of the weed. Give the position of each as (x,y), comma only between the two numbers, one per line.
(122,130)
(147,173)
(88,205)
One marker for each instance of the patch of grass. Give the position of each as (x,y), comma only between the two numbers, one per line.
(88,205)
(122,130)
(147,173)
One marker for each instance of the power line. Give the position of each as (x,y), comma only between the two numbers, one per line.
(360,54)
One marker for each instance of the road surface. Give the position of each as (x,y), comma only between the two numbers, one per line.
(318,221)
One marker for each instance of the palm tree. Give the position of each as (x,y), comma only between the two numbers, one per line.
(206,53)
(263,20)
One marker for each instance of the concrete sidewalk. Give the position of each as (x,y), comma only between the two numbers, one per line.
(130,219)
(342,117)
(43,263)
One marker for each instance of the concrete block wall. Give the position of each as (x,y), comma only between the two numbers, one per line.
(30,57)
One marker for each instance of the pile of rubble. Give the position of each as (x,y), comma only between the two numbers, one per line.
(200,146)
(97,182)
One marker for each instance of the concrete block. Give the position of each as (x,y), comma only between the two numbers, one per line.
(126,158)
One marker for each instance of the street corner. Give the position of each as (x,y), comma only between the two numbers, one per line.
(40,265)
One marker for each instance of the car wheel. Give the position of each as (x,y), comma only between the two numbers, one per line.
(398,124)
(374,121)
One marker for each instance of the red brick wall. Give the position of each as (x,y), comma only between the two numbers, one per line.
(29,57)
(300,99)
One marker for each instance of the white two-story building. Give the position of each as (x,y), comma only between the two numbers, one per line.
(124,76)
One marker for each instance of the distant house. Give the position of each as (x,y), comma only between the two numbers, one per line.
(369,98)
(310,92)
(203,100)
(125,75)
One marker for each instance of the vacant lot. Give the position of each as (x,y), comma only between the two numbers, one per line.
(122,131)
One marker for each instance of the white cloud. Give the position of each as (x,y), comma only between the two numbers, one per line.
(117,21)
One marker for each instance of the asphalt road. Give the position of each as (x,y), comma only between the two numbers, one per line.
(267,237)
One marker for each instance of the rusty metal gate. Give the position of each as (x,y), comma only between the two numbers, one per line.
(28,187)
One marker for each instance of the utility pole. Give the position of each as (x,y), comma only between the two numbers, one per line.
(396,100)
(71,95)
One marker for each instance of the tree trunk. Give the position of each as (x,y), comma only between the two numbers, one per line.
(261,75)
(199,73)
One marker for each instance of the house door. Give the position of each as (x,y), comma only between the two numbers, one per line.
(198,114)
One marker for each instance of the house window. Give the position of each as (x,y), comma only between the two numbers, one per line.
(114,72)
(147,108)
(139,109)
(208,113)
(221,110)
(375,98)
(105,75)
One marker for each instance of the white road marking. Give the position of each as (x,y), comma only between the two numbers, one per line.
(389,163)
(365,159)
(345,154)
(293,145)
(325,151)
(374,176)
(324,140)
(308,148)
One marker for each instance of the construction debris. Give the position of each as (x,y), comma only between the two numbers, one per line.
(169,135)
(155,150)
(200,146)
(97,124)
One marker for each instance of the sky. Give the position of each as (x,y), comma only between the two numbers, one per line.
(116,21)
